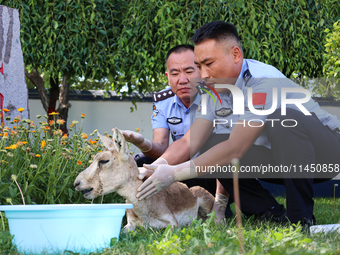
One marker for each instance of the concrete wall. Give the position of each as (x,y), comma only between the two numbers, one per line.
(104,115)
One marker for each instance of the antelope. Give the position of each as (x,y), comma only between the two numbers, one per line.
(114,170)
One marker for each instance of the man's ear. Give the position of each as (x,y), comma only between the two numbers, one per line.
(120,143)
(108,143)
(237,54)
(167,76)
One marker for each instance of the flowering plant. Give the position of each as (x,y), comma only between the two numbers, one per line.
(44,161)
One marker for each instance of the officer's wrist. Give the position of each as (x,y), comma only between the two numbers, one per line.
(146,146)
(185,171)
(160,161)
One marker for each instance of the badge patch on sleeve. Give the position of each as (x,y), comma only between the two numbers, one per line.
(174,120)
(259,98)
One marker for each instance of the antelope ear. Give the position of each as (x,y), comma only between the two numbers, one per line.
(108,143)
(120,143)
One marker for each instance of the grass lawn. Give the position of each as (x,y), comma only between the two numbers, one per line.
(206,238)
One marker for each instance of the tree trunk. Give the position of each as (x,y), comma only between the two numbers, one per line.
(64,105)
(38,81)
(54,94)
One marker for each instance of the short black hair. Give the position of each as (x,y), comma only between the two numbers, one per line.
(218,30)
(179,49)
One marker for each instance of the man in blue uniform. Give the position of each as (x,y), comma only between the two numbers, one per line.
(171,107)
(174,111)
(292,138)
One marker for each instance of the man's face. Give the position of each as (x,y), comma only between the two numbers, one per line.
(218,60)
(180,69)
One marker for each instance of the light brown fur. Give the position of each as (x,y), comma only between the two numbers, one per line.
(114,170)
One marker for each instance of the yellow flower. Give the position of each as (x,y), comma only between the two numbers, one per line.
(4,161)
(11,147)
(43,144)
(21,109)
(37,155)
(53,113)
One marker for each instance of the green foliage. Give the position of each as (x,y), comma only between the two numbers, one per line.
(45,162)
(126,41)
(286,34)
(331,68)
(70,38)
(332,55)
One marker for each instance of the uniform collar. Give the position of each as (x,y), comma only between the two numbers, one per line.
(179,102)
(240,81)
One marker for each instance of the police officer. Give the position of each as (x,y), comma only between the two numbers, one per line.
(173,112)
(172,108)
(305,140)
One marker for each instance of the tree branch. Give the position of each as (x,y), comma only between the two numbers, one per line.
(38,81)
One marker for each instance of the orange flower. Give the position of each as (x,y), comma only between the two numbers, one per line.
(43,144)
(92,142)
(53,113)
(71,125)
(79,162)
(60,122)
(21,143)
(65,136)
(58,132)
(83,135)
(51,122)
(138,129)
(14,127)
(21,109)
(6,110)
(83,115)
(5,134)
(47,128)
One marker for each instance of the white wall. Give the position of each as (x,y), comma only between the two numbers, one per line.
(104,115)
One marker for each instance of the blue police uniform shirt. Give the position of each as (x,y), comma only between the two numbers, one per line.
(262,78)
(221,116)
(171,114)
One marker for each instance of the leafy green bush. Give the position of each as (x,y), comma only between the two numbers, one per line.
(44,161)
(332,56)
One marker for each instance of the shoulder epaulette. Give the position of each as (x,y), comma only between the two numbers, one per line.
(162,95)
(246,75)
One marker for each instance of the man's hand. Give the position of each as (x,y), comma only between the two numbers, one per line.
(137,139)
(220,204)
(163,177)
(146,173)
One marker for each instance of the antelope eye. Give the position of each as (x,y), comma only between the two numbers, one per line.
(103,162)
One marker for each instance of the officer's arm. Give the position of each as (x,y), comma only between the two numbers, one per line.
(186,147)
(160,142)
(241,138)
